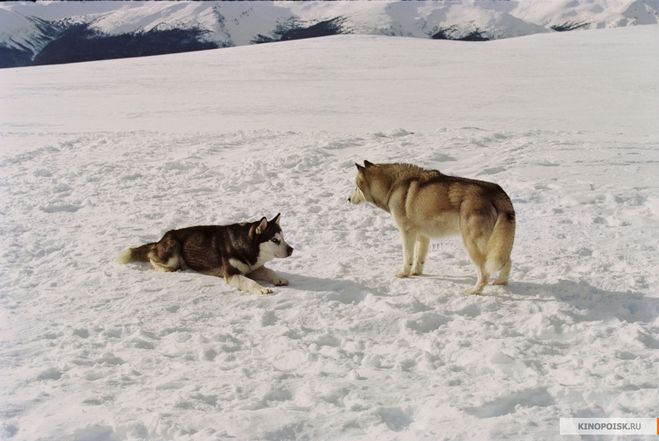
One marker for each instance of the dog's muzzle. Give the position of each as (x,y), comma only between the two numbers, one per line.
(357,197)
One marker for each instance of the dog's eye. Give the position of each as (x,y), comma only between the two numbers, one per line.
(275,240)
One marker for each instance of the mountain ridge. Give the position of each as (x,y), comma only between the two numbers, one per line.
(28,29)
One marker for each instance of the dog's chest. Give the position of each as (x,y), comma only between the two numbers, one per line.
(241,266)
(246,268)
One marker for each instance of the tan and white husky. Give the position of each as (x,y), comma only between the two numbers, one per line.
(427,204)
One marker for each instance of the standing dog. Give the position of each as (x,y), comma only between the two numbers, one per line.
(427,204)
(236,252)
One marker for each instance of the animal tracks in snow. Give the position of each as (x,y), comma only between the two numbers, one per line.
(346,345)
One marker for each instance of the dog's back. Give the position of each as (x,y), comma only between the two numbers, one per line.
(203,248)
(208,248)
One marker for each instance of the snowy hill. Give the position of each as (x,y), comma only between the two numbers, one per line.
(60,32)
(102,155)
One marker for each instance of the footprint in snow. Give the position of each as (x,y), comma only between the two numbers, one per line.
(492,171)
(50,374)
(395,418)
(426,322)
(509,403)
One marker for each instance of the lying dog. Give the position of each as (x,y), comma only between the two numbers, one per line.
(236,252)
(427,204)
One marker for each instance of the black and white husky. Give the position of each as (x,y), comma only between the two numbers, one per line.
(237,252)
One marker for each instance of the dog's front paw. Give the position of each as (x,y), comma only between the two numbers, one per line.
(262,291)
(280,282)
(417,271)
(402,274)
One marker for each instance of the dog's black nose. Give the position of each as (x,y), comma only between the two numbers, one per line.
(289,250)
(348,198)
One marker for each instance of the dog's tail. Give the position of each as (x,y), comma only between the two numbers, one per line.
(500,244)
(139,254)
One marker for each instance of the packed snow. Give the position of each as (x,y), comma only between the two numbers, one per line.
(99,156)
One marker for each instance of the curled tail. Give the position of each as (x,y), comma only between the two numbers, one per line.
(139,254)
(500,244)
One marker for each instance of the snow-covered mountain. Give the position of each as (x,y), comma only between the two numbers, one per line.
(59,32)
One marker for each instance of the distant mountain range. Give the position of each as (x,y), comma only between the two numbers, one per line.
(35,33)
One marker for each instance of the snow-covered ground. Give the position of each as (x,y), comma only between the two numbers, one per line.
(98,156)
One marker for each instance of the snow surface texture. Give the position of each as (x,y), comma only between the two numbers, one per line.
(99,156)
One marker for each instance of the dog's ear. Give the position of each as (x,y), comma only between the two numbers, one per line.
(359,167)
(263,224)
(368,164)
(275,219)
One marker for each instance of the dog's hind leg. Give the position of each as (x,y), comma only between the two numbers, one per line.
(165,255)
(420,253)
(408,238)
(172,264)
(478,260)
(499,247)
(504,274)
(477,257)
